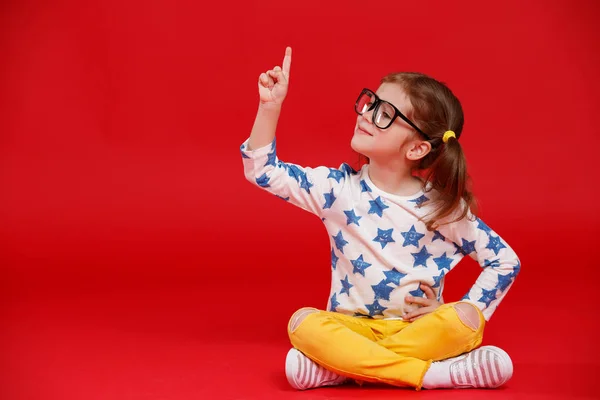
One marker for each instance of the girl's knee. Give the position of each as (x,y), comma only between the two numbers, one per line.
(468,314)
(299,316)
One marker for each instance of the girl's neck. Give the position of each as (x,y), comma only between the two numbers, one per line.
(395,179)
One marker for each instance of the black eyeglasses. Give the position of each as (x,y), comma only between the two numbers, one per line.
(384,113)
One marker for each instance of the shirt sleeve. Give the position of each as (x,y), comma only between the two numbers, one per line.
(312,189)
(499,262)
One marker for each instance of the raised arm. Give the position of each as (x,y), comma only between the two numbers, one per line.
(313,189)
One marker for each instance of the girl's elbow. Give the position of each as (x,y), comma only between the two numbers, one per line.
(517,267)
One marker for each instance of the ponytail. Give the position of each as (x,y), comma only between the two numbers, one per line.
(447,175)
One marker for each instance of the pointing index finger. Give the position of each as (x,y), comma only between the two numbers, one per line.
(287,62)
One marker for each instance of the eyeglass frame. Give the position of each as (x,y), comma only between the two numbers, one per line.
(397,113)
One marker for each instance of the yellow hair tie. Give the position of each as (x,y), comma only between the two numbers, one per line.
(448,135)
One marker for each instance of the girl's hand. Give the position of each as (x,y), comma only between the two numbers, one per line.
(428,305)
(273,84)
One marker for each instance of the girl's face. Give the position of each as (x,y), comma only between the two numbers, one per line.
(392,142)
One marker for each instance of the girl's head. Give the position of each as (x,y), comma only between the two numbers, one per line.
(422,110)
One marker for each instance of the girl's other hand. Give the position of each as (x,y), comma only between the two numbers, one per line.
(428,304)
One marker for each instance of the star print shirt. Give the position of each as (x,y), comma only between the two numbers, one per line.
(381,251)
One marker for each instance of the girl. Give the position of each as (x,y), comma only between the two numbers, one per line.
(396,228)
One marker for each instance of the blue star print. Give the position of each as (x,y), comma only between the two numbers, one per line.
(242,150)
(458,249)
(329,199)
(382,290)
(359,265)
(263,181)
(271,157)
(437,280)
(335,174)
(377,206)
(305,184)
(334,259)
(437,235)
(491,263)
(412,237)
(466,248)
(351,218)
(283,198)
(364,187)
(393,276)
(384,236)
(420,200)
(375,308)
(487,296)
(293,171)
(334,302)
(504,281)
(443,262)
(348,169)
(421,257)
(495,244)
(340,242)
(417,292)
(346,286)
(517,268)
(481,225)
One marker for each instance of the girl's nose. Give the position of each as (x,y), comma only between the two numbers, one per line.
(368,116)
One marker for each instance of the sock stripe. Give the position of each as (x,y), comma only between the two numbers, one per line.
(314,374)
(494,373)
(317,374)
(309,372)
(483,363)
(462,367)
(496,364)
(457,373)
(304,365)
(467,375)
(299,370)
(475,371)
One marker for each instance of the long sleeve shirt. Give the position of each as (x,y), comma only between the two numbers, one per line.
(381,250)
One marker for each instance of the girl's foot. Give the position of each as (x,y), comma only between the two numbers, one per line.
(485,367)
(303,373)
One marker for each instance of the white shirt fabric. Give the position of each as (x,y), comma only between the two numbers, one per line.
(380,248)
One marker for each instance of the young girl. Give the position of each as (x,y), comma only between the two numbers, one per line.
(396,228)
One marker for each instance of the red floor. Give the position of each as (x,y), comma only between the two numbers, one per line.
(164,344)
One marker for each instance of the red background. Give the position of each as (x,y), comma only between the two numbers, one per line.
(137,263)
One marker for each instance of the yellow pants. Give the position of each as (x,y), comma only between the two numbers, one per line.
(394,352)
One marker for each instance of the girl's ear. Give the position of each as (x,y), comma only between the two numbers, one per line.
(418,149)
